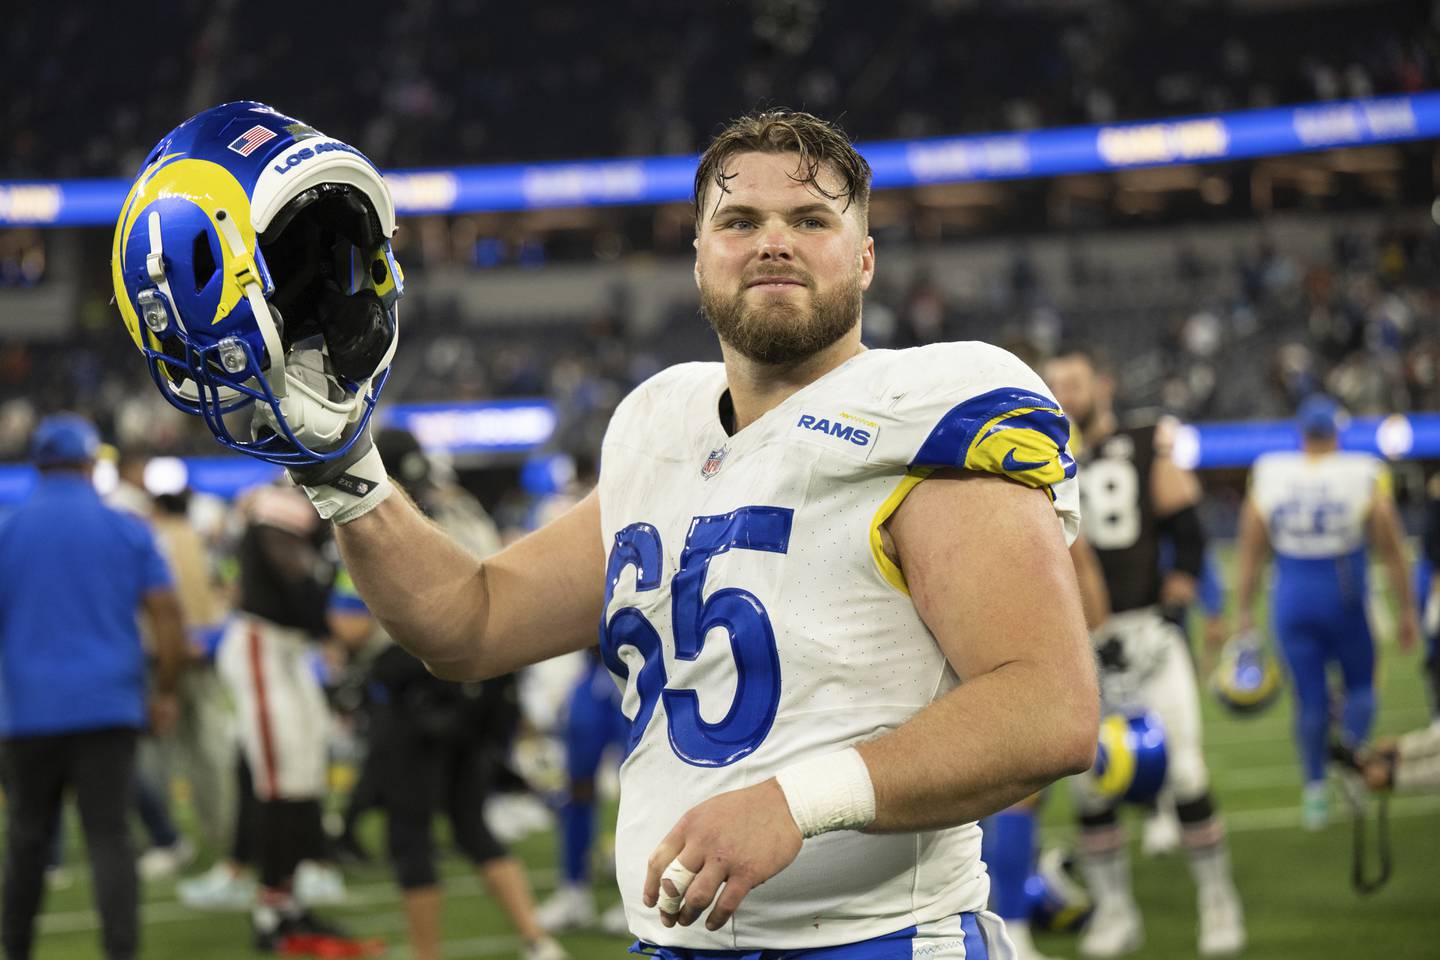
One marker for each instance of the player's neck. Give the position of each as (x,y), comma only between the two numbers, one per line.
(757,388)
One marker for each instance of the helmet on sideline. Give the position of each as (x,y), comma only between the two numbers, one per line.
(1247,678)
(1131,759)
(1058,901)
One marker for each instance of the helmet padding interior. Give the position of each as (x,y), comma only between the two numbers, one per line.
(309,248)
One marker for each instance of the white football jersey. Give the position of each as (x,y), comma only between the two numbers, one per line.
(1316,507)
(753,619)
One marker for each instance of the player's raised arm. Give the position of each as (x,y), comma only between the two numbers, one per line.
(988,572)
(469,619)
(266,320)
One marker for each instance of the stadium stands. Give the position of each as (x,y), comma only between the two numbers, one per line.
(1344,302)
(455,83)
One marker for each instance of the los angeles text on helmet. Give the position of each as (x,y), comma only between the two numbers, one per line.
(305,153)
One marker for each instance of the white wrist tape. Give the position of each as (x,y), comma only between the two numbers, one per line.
(832,792)
(361,489)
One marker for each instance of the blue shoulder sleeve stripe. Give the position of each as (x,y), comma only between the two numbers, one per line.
(1016,433)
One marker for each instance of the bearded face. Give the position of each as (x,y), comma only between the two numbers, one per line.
(781,266)
(781,326)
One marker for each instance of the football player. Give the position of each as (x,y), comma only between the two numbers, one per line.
(1318,509)
(265,659)
(593,724)
(1427,588)
(1132,495)
(431,741)
(833,582)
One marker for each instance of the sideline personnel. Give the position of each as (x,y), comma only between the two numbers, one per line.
(73,575)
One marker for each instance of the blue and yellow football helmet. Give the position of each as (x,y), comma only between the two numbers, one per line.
(1247,678)
(252,265)
(1131,760)
(1058,901)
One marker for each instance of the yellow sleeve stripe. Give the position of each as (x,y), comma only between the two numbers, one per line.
(1027,445)
(887,567)
(1384,484)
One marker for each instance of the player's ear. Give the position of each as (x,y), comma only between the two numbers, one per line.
(697,269)
(867,262)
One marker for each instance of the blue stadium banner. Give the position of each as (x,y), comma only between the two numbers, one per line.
(522,426)
(1216,446)
(908,163)
(486,427)
(499,426)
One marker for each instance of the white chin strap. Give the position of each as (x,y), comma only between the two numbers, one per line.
(248,276)
(308,409)
(155,266)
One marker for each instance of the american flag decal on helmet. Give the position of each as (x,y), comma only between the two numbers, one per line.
(247,142)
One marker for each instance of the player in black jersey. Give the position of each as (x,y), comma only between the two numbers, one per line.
(1132,494)
(1430,543)
(264,658)
(439,746)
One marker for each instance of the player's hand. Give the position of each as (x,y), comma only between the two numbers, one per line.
(316,424)
(1214,635)
(739,839)
(1177,589)
(1409,631)
(319,425)
(164,713)
(1378,766)
(348,485)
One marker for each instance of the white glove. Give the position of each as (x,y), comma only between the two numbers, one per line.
(349,486)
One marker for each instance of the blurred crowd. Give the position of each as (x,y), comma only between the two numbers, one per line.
(455,87)
(1360,322)
(459,80)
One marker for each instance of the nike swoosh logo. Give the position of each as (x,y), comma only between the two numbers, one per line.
(1010,463)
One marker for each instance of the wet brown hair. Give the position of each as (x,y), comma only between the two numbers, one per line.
(818,142)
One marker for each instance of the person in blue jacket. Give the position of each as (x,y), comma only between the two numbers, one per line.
(74,574)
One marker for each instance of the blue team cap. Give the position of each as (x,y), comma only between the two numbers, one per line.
(64,438)
(1319,416)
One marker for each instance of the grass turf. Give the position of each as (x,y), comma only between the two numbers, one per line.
(1295,885)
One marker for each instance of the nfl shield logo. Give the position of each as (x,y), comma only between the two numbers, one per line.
(712,463)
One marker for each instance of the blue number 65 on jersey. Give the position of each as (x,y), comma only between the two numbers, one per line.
(739,612)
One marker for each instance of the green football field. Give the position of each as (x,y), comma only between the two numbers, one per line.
(1296,885)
